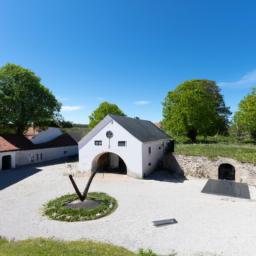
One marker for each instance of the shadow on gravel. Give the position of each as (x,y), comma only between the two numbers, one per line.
(165,176)
(12,176)
(227,188)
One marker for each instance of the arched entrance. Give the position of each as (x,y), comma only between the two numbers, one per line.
(109,162)
(227,172)
(6,162)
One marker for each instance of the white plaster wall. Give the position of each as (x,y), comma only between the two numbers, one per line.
(131,153)
(156,154)
(12,154)
(46,135)
(26,157)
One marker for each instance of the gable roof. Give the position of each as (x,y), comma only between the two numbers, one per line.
(143,130)
(13,142)
(63,140)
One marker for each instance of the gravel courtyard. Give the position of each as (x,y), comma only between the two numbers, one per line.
(206,223)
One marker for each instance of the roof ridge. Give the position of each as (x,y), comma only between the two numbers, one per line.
(132,118)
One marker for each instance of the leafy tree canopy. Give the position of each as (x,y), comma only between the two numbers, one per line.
(195,107)
(103,110)
(24,101)
(245,117)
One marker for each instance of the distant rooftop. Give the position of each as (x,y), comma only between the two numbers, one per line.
(13,142)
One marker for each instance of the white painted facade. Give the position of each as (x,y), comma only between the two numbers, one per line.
(135,154)
(151,160)
(26,157)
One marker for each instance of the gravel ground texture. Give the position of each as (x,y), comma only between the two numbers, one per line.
(214,225)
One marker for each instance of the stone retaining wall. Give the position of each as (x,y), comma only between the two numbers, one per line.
(202,167)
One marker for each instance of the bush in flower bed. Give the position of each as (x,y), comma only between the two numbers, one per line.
(57,209)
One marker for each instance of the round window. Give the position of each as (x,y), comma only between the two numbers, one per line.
(109,134)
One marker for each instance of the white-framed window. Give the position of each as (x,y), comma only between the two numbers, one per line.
(122,143)
(98,142)
(149,150)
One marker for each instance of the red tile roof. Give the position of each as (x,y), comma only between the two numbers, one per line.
(12,142)
(5,145)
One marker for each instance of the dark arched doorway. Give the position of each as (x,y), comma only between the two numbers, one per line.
(227,172)
(6,162)
(110,162)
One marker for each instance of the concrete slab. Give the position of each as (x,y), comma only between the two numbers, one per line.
(227,188)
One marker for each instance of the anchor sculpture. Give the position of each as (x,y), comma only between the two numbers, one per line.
(83,196)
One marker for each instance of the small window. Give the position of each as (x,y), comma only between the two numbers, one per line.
(98,142)
(121,143)
(37,157)
(159,148)
(65,152)
(149,164)
(149,150)
(41,156)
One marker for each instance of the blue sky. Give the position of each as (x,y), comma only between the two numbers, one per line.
(130,52)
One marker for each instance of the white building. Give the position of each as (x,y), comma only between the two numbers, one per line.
(51,144)
(129,145)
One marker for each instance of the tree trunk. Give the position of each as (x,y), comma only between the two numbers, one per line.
(253,135)
(19,130)
(192,134)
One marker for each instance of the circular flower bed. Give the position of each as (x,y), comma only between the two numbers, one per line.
(57,209)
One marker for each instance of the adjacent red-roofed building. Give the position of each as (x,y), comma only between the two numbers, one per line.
(47,145)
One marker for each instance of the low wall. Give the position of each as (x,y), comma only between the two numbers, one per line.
(202,167)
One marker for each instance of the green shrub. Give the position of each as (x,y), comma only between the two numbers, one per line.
(148,252)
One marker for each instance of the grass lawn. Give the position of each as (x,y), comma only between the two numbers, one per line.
(56,209)
(47,247)
(242,153)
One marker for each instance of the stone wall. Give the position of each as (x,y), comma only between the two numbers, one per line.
(202,167)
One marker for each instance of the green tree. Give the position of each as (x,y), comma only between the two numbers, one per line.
(24,101)
(245,117)
(103,110)
(196,107)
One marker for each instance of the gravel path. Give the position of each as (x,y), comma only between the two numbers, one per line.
(206,223)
